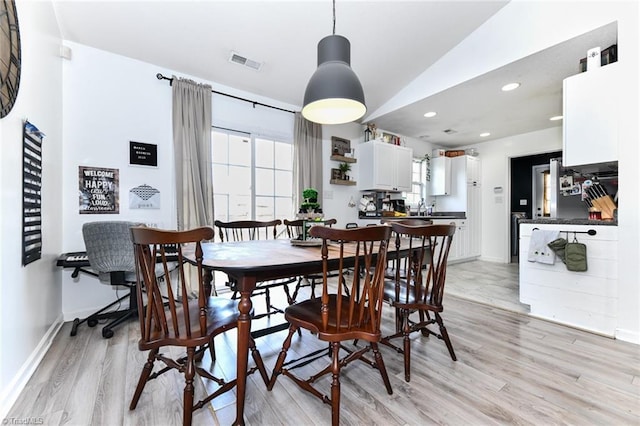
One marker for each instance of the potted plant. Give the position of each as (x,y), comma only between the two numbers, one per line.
(344,168)
(310,195)
(310,203)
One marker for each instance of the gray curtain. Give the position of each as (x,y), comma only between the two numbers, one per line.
(192,153)
(307,158)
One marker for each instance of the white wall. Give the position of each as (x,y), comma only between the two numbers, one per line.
(109,101)
(495,173)
(30,297)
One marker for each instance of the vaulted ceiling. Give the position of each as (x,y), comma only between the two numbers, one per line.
(392,43)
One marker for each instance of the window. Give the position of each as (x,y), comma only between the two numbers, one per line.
(252,177)
(418,183)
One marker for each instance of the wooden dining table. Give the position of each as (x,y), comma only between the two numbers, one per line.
(251,262)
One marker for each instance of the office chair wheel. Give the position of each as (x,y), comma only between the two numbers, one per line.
(74,327)
(92,322)
(107,333)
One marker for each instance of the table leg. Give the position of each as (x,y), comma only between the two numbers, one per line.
(244,331)
(207,278)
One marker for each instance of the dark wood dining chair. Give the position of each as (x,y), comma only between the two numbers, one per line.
(170,320)
(246,230)
(421,290)
(390,272)
(335,317)
(295,229)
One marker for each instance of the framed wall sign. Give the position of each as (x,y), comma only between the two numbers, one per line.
(340,146)
(99,193)
(144,197)
(143,154)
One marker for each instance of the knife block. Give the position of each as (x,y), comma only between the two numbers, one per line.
(606,206)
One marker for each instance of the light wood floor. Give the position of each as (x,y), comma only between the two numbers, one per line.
(494,284)
(511,369)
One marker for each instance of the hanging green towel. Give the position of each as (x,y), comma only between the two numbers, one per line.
(558,246)
(576,257)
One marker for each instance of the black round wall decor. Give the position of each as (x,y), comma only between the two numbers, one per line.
(10,56)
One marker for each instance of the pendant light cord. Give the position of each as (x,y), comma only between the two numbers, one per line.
(334,17)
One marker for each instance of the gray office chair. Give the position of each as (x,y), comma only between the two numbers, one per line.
(110,254)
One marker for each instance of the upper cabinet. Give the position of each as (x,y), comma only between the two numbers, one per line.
(440,176)
(590,110)
(465,178)
(384,167)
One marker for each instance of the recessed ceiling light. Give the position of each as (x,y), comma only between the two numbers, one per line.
(556,118)
(485,134)
(510,86)
(431,114)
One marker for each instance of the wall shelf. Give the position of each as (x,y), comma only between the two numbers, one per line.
(343,182)
(336,157)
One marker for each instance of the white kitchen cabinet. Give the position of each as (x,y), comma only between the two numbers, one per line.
(465,196)
(465,174)
(461,244)
(474,218)
(472,168)
(384,167)
(440,176)
(590,110)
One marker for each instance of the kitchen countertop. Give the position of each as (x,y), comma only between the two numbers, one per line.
(439,215)
(565,221)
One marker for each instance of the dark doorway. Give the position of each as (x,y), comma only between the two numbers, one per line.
(522,191)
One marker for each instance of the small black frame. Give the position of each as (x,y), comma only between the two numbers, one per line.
(143,154)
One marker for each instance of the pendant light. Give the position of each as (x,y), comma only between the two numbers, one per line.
(334,94)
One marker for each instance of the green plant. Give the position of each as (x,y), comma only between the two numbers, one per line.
(344,167)
(310,193)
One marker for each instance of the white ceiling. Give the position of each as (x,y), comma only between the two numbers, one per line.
(392,42)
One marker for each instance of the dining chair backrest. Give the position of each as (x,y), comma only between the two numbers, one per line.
(245,230)
(295,227)
(169,315)
(363,309)
(404,262)
(427,245)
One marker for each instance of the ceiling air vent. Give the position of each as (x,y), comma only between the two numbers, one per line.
(241,60)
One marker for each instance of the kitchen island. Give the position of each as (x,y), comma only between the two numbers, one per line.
(586,300)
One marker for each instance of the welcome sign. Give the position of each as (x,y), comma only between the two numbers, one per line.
(98,190)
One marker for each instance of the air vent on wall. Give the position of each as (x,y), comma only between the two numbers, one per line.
(241,60)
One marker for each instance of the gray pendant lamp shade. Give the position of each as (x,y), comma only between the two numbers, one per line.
(334,94)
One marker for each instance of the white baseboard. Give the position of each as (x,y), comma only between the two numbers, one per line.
(628,336)
(10,394)
(492,259)
(84,313)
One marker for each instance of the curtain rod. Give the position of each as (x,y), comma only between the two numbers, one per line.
(162,77)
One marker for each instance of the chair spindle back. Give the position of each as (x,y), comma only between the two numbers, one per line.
(244,230)
(428,244)
(177,321)
(364,306)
